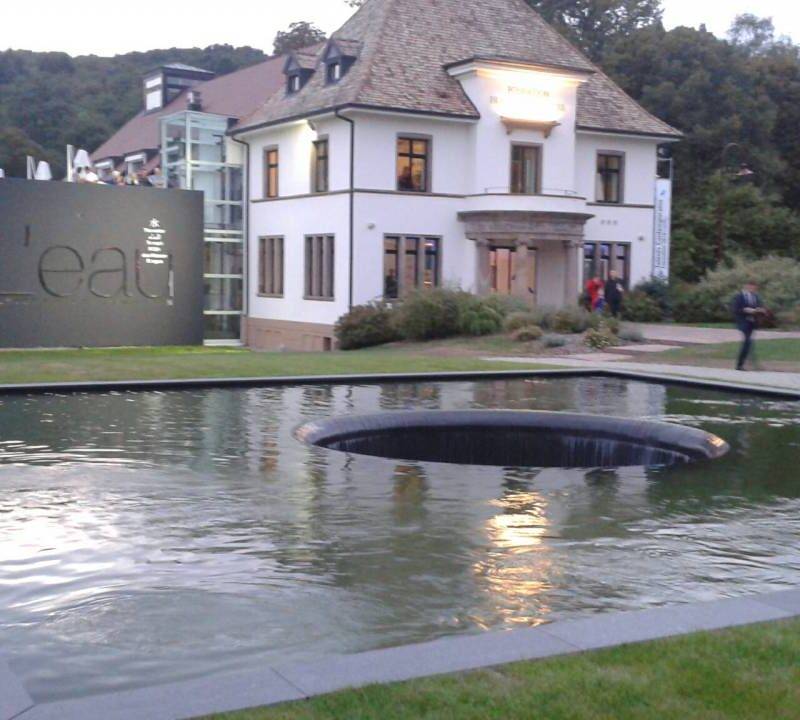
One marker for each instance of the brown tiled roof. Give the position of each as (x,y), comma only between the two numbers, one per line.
(603,105)
(405,46)
(235,95)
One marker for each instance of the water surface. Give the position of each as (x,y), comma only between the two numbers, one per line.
(148,537)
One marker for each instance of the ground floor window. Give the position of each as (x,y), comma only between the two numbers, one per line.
(601,258)
(270,266)
(320,256)
(410,262)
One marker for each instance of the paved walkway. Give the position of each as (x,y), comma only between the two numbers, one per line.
(623,358)
(685,334)
(607,361)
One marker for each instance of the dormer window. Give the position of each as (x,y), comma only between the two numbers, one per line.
(298,70)
(334,72)
(338,57)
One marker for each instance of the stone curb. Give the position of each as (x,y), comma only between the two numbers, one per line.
(133,385)
(271,686)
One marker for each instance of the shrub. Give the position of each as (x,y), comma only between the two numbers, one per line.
(641,307)
(479,318)
(633,335)
(529,333)
(789,318)
(506,305)
(517,320)
(571,320)
(430,314)
(366,326)
(661,292)
(613,324)
(710,299)
(554,341)
(543,316)
(600,338)
(595,321)
(699,303)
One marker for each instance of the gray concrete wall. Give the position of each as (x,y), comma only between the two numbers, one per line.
(95,266)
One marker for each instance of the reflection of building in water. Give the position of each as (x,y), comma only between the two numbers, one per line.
(517,570)
(589,395)
(410,492)
(618,397)
(420,396)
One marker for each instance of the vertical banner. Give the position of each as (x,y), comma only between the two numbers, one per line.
(663,228)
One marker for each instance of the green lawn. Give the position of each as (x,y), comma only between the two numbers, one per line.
(750,673)
(29,366)
(767,351)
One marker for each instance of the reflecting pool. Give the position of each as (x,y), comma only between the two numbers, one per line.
(148,537)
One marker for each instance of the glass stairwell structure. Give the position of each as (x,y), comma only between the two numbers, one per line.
(197,155)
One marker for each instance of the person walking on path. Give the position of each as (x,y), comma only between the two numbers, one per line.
(747,308)
(615,291)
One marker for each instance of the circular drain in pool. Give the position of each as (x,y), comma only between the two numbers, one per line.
(508,438)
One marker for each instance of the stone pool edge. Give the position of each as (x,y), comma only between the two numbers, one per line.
(188,383)
(284,683)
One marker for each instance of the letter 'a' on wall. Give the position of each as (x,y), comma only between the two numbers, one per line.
(94,266)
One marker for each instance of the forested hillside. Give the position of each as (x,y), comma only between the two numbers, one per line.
(48,100)
(737,99)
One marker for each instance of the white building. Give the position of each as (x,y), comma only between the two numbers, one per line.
(457,142)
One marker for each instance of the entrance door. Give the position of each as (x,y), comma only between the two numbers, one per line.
(503,266)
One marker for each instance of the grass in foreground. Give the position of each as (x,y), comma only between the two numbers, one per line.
(748,673)
(785,354)
(33,366)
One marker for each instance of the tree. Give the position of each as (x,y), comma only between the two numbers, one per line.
(55,99)
(594,24)
(780,70)
(15,146)
(298,36)
(708,88)
(754,224)
(756,35)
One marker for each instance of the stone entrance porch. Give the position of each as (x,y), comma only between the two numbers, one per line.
(545,253)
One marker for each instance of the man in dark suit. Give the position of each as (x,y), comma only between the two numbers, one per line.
(615,291)
(746,309)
